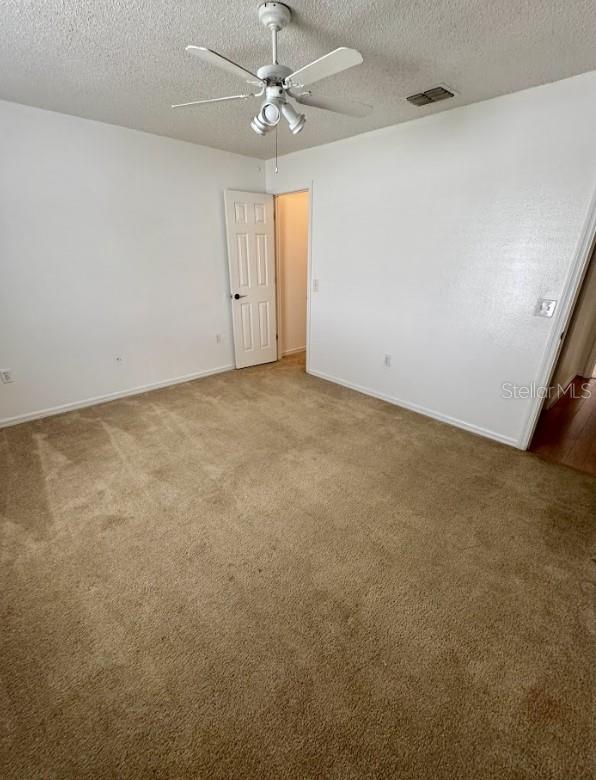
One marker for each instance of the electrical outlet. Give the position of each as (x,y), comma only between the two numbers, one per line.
(387,361)
(218,338)
(545,307)
(6,376)
(119,359)
(315,285)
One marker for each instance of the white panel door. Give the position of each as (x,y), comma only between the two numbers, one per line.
(251,257)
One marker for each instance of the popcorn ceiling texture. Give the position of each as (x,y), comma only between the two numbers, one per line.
(123,61)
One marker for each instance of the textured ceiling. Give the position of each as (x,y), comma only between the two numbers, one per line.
(123,61)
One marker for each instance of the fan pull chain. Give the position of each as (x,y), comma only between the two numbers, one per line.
(275,148)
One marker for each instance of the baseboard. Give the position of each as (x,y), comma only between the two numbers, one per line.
(293,351)
(488,434)
(102,399)
(37,415)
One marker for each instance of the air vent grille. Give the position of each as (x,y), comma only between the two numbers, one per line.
(433,95)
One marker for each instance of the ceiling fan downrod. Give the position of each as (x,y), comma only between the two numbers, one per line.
(275,16)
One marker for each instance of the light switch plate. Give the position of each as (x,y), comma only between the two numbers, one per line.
(545,307)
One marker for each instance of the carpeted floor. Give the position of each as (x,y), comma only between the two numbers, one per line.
(264,575)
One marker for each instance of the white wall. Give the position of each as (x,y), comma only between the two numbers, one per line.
(291,226)
(432,241)
(112,243)
(577,354)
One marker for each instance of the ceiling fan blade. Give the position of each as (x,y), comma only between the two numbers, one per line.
(328,65)
(213,100)
(219,61)
(339,105)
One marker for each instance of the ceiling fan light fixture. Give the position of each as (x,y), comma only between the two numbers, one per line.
(295,120)
(270,114)
(267,118)
(259,127)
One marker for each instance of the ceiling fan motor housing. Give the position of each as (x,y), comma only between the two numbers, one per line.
(273,74)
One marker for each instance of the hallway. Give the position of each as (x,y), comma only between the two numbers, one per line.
(566,433)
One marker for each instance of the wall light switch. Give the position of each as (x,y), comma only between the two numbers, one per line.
(545,307)
(315,285)
(388,361)
(6,376)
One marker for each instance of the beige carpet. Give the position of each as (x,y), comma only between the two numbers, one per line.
(264,575)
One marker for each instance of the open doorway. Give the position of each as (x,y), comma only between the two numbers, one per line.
(292,210)
(566,429)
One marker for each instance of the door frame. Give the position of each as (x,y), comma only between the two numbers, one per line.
(309,189)
(562,319)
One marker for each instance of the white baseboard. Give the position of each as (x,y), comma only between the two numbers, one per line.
(102,399)
(293,351)
(488,434)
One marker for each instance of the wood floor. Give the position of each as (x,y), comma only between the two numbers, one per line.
(566,433)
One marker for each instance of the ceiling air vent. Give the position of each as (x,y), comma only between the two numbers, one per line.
(430,96)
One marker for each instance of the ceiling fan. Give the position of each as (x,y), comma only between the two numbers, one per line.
(275,82)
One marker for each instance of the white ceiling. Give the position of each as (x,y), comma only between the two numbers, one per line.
(123,61)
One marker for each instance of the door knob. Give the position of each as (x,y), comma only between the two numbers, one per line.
(237,296)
